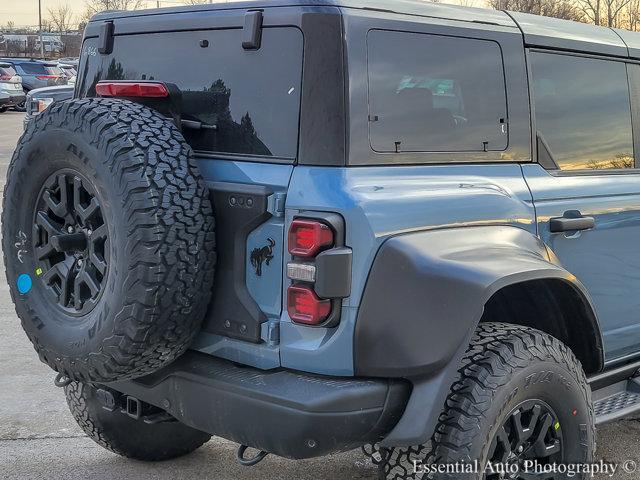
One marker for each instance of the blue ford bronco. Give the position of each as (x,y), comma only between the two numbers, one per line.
(316,225)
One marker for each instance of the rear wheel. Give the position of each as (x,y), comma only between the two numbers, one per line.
(126,436)
(521,405)
(3,109)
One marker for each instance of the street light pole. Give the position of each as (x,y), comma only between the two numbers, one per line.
(40,29)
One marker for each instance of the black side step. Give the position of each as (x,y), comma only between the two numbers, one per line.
(616,401)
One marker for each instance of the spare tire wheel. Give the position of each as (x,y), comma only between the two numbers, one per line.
(108,239)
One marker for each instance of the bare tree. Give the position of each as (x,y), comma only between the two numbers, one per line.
(62,18)
(96,6)
(614,10)
(592,10)
(195,2)
(608,13)
(11,26)
(565,9)
(633,15)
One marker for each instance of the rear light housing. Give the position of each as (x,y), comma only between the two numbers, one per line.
(47,77)
(41,104)
(316,269)
(4,78)
(132,89)
(304,306)
(308,237)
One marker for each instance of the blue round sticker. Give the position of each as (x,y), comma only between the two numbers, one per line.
(24,283)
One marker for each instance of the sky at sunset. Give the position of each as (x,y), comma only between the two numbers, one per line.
(25,12)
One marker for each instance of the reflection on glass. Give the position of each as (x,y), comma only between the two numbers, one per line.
(435,94)
(583,111)
(252,97)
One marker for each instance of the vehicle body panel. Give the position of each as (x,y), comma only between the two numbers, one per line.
(452,228)
(605,259)
(378,203)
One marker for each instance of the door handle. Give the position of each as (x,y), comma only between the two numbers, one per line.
(572,221)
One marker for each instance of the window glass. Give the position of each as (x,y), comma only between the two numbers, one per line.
(252,97)
(430,93)
(583,111)
(34,68)
(7,71)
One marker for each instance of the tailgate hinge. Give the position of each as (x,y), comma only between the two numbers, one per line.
(276,203)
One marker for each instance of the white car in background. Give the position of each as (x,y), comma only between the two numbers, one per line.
(69,71)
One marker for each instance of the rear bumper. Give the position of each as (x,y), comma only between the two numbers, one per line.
(13,100)
(286,413)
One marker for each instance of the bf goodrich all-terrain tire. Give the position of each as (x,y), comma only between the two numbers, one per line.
(520,395)
(108,239)
(127,436)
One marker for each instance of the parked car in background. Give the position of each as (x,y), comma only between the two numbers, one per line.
(5,101)
(51,45)
(10,87)
(70,61)
(68,71)
(40,99)
(36,74)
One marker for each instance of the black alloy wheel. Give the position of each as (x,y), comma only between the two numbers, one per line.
(531,434)
(71,241)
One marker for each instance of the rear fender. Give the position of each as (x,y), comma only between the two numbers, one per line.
(424,299)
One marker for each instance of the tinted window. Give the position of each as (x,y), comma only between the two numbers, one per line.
(7,71)
(432,93)
(33,68)
(583,111)
(252,97)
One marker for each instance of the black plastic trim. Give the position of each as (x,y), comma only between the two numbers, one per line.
(286,413)
(333,273)
(105,45)
(252,31)
(238,208)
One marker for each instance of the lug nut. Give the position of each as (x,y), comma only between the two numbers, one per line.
(89,232)
(70,229)
(79,262)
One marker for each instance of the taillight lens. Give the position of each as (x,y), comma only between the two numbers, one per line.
(47,77)
(132,89)
(5,77)
(308,237)
(305,307)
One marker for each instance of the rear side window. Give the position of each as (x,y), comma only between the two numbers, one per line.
(431,93)
(7,71)
(583,111)
(251,96)
(34,69)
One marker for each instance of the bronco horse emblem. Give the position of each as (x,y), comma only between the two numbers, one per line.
(263,254)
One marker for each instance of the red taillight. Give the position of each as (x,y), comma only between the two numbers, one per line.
(132,89)
(47,77)
(308,237)
(305,307)
(5,77)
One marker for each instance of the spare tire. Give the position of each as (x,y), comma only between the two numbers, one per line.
(108,239)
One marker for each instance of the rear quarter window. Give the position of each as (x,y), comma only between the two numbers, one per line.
(251,96)
(33,69)
(432,93)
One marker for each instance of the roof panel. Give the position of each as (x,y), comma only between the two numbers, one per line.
(632,39)
(564,34)
(408,7)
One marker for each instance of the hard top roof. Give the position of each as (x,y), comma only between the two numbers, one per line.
(537,30)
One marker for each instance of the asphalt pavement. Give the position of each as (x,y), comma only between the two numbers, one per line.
(40,440)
